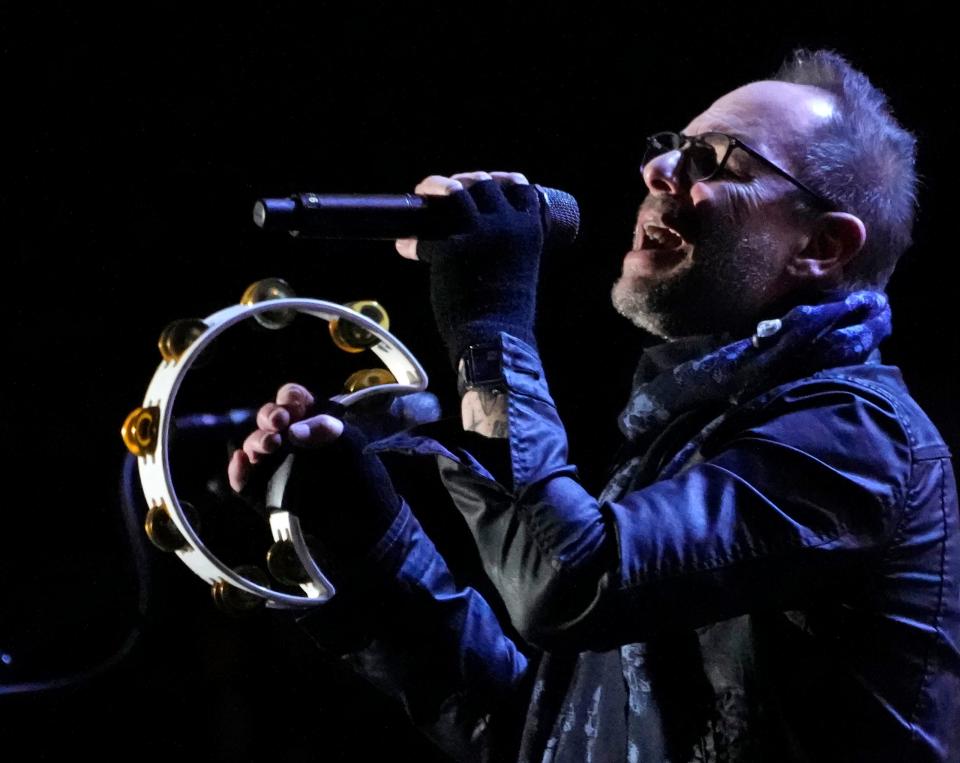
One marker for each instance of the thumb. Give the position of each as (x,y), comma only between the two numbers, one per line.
(319,430)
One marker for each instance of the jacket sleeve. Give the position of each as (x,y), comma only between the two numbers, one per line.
(404,625)
(789,502)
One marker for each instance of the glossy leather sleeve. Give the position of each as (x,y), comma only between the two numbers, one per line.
(404,624)
(783,503)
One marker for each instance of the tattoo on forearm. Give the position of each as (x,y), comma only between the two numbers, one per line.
(484,411)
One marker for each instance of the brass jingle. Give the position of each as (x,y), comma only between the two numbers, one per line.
(284,565)
(368,377)
(176,337)
(140,429)
(236,602)
(163,531)
(267,289)
(350,337)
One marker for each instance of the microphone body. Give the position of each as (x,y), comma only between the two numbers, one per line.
(383,216)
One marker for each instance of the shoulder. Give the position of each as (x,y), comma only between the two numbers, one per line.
(857,420)
(865,401)
(855,425)
(886,383)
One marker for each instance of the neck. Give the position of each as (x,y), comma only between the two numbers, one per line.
(780,306)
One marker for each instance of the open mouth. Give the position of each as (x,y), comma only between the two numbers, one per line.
(657,251)
(659,238)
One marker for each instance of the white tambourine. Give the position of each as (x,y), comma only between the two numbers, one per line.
(147,433)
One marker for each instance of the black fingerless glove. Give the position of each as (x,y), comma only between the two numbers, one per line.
(484,279)
(342,496)
(346,504)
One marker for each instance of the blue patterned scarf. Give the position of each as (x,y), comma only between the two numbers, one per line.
(838,328)
(844,328)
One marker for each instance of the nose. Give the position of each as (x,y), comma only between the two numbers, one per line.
(664,174)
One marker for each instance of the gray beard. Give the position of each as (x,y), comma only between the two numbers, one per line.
(720,291)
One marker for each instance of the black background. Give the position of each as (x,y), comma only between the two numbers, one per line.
(137,141)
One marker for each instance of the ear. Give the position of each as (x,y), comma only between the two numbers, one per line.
(835,240)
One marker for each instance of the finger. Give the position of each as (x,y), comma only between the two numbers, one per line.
(438,185)
(516,188)
(238,470)
(318,430)
(407,248)
(296,399)
(273,418)
(488,195)
(468,179)
(260,443)
(523,197)
(510,178)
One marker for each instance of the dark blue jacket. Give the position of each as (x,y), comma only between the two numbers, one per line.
(790,592)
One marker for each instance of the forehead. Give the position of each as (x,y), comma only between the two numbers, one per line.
(767,115)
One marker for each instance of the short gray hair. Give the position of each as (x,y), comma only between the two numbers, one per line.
(862,160)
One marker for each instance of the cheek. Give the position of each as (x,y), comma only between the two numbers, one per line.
(711,212)
(739,211)
(774,224)
(721,206)
(702,193)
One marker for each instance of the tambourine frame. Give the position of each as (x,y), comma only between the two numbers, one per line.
(154,468)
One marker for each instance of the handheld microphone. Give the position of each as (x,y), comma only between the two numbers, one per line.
(381,216)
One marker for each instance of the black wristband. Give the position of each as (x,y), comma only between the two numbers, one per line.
(481,366)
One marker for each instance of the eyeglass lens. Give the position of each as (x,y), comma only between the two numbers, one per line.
(703,153)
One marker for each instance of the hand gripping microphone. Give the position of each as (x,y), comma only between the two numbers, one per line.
(359,216)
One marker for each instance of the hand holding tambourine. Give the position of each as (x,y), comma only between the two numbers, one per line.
(293,578)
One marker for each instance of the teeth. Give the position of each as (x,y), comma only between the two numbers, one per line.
(663,236)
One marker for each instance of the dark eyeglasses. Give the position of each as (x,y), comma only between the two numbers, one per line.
(707,154)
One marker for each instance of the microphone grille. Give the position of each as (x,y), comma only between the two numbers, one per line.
(561,216)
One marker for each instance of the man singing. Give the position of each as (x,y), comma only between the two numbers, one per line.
(772,571)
